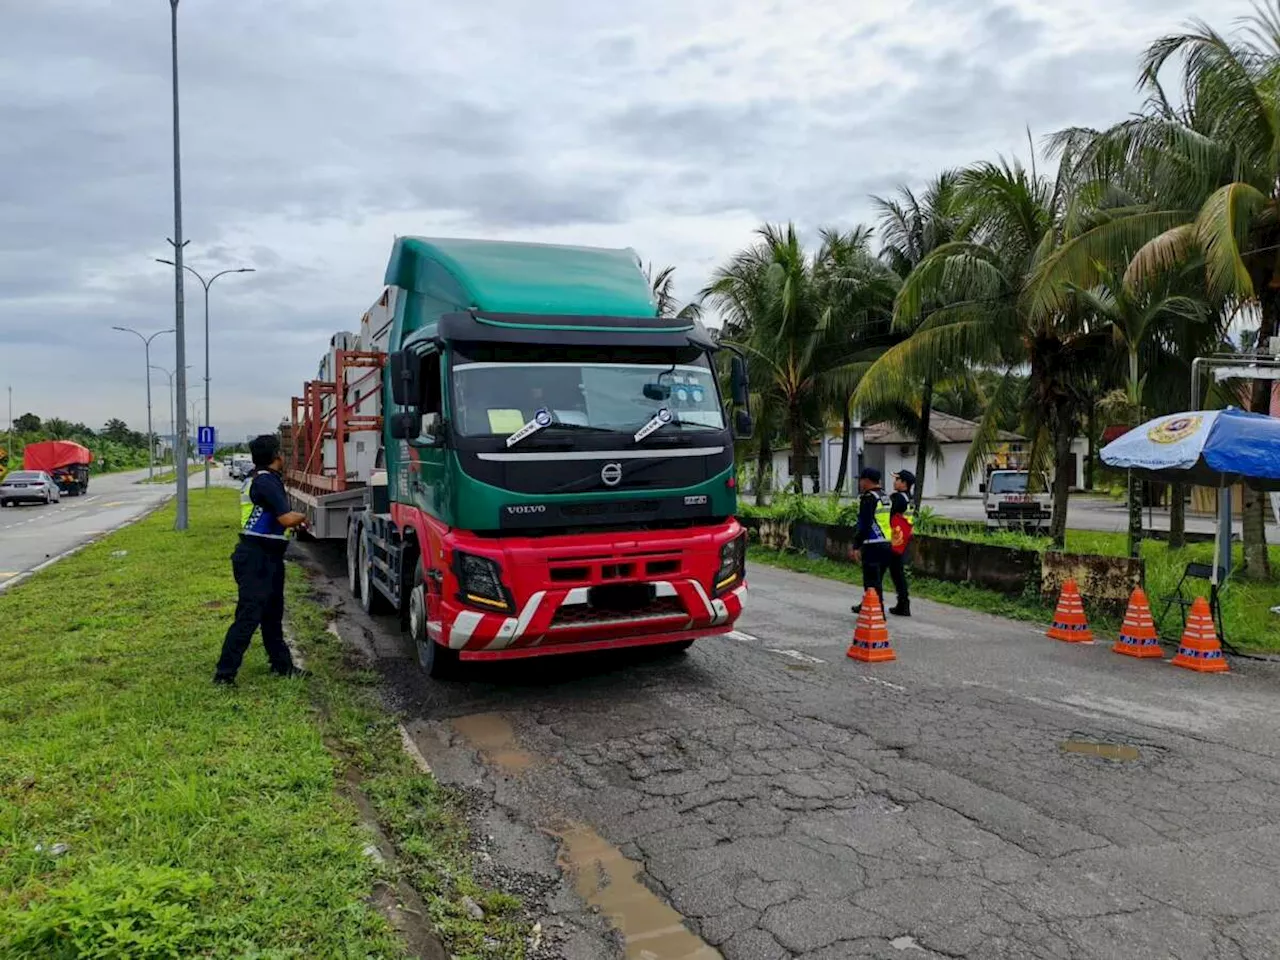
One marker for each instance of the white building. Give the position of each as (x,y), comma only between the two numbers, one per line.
(888,450)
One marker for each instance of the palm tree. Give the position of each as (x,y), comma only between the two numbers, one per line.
(967,301)
(1213,170)
(805,323)
(912,228)
(1136,315)
(859,291)
(661,285)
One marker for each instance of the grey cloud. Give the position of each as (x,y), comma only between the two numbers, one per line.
(298,115)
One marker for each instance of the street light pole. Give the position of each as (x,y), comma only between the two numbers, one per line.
(146,346)
(173,437)
(179,307)
(206,284)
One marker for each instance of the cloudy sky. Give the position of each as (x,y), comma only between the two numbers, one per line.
(314,131)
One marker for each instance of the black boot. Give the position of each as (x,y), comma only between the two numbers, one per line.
(901,609)
(856,608)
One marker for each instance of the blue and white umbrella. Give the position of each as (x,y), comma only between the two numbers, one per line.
(1209,448)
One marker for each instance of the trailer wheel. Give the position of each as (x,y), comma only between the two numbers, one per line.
(437,661)
(371,601)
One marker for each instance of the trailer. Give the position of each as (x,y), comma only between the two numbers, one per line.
(522,458)
(65,461)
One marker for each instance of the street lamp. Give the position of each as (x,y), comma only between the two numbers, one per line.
(173,438)
(206,284)
(146,346)
(179,307)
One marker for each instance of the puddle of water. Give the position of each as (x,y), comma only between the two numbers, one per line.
(492,735)
(603,877)
(1108,751)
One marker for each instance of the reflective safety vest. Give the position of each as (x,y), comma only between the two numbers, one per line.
(880,526)
(256,522)
(901,528)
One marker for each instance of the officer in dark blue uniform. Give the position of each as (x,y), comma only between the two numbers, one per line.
(266,522)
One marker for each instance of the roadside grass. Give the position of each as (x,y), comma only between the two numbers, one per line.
(170,474)
(198,821)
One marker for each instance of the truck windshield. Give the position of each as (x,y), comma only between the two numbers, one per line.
(1009,483)
(498,398)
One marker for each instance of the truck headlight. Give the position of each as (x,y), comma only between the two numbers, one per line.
(480,581)
(733,562)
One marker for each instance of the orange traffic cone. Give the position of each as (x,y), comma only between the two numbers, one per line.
(1069,623)
(1138,636)
(871,633)
(1200,649)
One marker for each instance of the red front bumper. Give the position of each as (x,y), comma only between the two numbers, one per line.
(551,580)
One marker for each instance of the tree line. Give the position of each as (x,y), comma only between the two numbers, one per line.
(114,447)
(1057,297)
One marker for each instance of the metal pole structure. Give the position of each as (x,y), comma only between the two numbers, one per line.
(179,307)
(146,346)
(207,284)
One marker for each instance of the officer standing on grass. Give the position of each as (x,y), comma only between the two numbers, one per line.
(266,522)
(871,538)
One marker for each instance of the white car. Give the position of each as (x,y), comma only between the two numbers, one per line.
(29,486)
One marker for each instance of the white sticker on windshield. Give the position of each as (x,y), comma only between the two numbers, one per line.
(660,419)
(541,418)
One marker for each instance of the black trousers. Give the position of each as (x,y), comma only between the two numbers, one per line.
(259,574)
(876,560)
(898,573)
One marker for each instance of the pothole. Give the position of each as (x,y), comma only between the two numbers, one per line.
(493,736)
(1107,751)
(651,929)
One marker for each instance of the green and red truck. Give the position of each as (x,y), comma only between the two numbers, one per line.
(524,458)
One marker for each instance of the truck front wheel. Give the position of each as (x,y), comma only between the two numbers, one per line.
(437,661)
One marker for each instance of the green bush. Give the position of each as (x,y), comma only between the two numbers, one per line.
(114,912)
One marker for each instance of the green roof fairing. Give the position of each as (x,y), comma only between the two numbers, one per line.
(505,277)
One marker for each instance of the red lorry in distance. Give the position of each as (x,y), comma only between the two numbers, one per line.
(65,461)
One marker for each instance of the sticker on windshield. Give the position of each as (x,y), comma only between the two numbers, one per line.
(659,419)
(541,418)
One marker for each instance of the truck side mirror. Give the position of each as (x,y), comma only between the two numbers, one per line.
(742,425)
(405,426)
(738,385)
(405,389)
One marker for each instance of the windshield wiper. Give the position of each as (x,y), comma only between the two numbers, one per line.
(543,420)
(661,417)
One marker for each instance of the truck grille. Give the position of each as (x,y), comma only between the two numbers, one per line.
(581,614)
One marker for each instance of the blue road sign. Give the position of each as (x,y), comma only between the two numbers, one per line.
(206,440)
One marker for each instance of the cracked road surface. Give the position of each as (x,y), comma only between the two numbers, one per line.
(789,803)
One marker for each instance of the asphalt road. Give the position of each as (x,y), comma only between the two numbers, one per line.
(32,535)
(991,794)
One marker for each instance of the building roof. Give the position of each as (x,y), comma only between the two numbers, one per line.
(506,277)
(944,427)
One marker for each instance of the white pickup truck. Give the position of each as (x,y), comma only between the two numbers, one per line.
(1010,506)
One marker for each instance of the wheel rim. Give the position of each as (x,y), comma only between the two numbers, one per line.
(364,574)
(418,614)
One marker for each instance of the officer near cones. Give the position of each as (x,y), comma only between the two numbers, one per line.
(871,536)
(900,522)
(267,520)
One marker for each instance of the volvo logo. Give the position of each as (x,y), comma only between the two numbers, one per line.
(526,508)
(611,474)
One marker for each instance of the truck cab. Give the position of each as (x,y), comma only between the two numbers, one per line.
(1010,502)
(556,471)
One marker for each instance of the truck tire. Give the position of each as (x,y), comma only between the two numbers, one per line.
(353,560)
(439,662)
(371,601)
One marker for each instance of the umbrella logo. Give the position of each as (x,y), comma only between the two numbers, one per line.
(1174,429)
